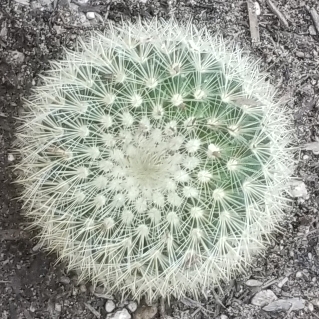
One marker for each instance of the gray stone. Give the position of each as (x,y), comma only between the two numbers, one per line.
(45,3)
(90,15)
(315,302)
(11,157)
(58,29)
(282,282)
(3,31)
(312,30)
(65,280)
(16,57)
(145,312)
(263,298)
(34,5)
(285,305)
(58,307)
(311,307)
(109,306)
(300,54)
(119,314)
(83,20)
(64,3)
(74,7)
(83,288)
(23,2)
(132,306)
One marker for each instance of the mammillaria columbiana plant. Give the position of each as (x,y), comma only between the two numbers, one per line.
(154,159)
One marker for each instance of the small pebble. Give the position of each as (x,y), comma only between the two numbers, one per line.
(315,302)
(300,54)
(109,306)
(82,288)
(32,308)
(145,312)
(298,274)
(312,30)
(282,282)
(90,15)
(263,298)
(310,307)
(37,247)
(82,19)
(75,291)
(223,317)
(3,32)
(299,190)
(119,314)
(74,8)
(58,307)
(58,29)
(122,304)
(257,8)
(46,2)
(64,3)
(65,280)
(10,157)
(132,306)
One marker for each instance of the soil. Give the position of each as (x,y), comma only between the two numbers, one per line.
(32,285)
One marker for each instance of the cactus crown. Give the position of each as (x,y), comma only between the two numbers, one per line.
(154,159)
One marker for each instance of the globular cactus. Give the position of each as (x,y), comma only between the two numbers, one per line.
(154,159)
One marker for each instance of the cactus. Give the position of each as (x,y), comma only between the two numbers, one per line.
(154,159)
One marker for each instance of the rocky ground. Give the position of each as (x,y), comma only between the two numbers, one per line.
(284,283)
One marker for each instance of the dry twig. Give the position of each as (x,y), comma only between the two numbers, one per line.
(276,11)
(315,17)
(90,308)
(253,22)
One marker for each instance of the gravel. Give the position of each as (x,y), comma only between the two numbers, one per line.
(32,285)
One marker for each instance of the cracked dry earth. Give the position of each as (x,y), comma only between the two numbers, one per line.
(281,284)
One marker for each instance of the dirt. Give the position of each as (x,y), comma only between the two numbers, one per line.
(31,34)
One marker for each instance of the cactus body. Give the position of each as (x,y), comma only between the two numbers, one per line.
(155,159)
